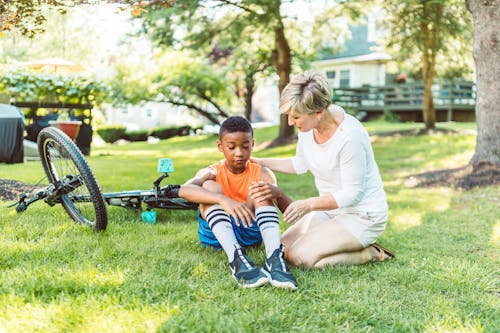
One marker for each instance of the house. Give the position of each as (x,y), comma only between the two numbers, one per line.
(358,63)
(151,115)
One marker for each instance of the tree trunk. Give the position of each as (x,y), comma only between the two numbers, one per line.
(429,112)
(283,63)
(248,98)
(486,16)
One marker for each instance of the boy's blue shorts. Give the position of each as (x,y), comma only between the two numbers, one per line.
(246,236)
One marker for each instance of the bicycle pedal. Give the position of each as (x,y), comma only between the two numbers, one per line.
(149,217)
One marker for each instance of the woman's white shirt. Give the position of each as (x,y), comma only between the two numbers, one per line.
(345,167)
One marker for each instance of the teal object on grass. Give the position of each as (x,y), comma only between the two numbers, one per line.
(149,217)
(165,165)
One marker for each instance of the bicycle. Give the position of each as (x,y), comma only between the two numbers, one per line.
(73,185)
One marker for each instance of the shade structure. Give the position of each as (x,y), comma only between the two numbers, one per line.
(55,65)
(11,134)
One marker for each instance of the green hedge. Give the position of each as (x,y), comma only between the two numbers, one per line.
(27,86)
(111,133)
(170,132)
(138,135)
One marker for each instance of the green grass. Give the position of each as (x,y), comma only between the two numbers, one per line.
(56,276)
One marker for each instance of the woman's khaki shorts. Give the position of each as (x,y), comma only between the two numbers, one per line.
(365,227)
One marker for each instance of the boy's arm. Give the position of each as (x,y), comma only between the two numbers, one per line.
(193,191)
(202,176)
(267,189)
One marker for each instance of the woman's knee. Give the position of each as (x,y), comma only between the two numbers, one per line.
(300,257)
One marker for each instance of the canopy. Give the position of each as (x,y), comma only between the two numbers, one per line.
(11,134)
(55,65)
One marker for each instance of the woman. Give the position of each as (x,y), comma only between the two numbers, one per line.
(341,225)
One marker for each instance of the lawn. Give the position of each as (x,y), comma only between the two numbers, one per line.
(56,276)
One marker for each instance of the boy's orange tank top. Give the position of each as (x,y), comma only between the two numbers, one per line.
(235,186)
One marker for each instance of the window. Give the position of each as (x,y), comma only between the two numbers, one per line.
(330,75)
(345,78)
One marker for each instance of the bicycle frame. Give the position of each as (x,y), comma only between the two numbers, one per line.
(73,185)
(166,197)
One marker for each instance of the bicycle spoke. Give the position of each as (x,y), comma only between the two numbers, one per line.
(63,166)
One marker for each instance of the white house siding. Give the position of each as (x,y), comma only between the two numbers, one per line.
(364,70)
(369,74)
(265,104)
(152,114)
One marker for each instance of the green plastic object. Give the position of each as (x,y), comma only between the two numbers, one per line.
(165,165)
(149,217)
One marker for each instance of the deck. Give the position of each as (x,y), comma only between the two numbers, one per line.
(452,101)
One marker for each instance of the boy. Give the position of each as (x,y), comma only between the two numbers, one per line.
(229,219)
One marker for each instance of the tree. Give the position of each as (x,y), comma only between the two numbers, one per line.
(427,28)
(178,79)
(189,23)
(199,23)
(246,66)
(486,16)
(60,37)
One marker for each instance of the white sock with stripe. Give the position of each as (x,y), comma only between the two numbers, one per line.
(220,224)
(269,226)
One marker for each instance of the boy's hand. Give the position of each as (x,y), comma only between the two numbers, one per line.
(261,191)
(239,211)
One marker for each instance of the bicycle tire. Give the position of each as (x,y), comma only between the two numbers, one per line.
(61,157)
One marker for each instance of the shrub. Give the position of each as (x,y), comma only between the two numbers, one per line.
(170,132)
(111,133)
(31,86)
(184,130)
(139,135)
(389,117)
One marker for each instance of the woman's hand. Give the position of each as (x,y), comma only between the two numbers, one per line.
(296,210)
(262,191)
(239,211)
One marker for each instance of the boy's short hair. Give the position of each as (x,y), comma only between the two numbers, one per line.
(235,124)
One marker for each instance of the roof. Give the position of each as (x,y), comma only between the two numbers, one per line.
(358,45)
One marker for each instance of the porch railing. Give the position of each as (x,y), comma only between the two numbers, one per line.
(448,96)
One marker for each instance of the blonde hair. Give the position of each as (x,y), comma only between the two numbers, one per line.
(308,92)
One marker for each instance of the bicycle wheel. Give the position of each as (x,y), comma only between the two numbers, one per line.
(61,158)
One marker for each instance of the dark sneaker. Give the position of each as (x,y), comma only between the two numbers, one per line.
(245,272)
(278,272)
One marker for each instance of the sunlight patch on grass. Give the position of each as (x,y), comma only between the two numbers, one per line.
(434,199)
(64,279)
(12,212)
(147,319)
(454,161)
(17,246)
(454,324)
(409,206)
(495,234)
(406,220)
(130,152)
(85,315)
(199,270)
